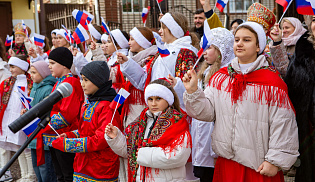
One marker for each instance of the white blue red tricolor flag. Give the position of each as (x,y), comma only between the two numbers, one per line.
(83,17)
(305,7)
(80,34)
(24,98)
(39,39)
(164,52)
(145,13)
(8,40)
(105,27)
(221,4)
(25,29)
(120,98)
(206,39)
(284,3)
(30,127)
(68,35)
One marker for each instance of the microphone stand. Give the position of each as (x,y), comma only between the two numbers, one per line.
(44,120)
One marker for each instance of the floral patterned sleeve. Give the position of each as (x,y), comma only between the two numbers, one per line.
(280,58)
(185,61)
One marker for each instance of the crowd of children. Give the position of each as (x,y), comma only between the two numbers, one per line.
(228,119)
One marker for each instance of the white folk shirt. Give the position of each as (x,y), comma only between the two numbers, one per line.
(9,140)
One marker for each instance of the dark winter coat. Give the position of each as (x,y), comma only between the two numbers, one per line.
(300,79)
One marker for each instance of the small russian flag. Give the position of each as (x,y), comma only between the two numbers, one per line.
(145,13)
(24,98)
(39,39)
(25,29)
(305,7)
(105,27)
(159,1)
(80,34)
(164,52)
(206,39)
(221,4)
(8,40)
(83,17)
(121,96)
(68,35)
(284,3)
(30,127)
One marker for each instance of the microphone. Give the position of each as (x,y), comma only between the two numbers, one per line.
(62,91)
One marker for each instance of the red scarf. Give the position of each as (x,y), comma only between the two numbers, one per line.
(263,79)
(5,91)
(168,132)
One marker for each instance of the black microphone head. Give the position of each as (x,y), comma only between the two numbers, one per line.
(65,89)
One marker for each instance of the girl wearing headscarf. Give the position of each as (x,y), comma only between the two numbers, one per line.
(255,132)
(157,144)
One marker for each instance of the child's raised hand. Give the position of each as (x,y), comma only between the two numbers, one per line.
(267,169)
(62,135)
(111,131)
(121,58)
(190,81)
(93,45)
(23,111)
(32,53)
(172,80)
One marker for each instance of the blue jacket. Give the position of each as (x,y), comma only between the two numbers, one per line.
(39,92)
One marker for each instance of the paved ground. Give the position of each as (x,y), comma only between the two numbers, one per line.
(288,179)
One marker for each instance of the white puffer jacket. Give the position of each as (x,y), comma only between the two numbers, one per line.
(166,167)
(247,132)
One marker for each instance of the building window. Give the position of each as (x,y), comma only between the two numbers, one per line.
(132,5)
(239,6)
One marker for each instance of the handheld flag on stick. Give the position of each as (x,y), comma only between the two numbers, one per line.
(206,41)
(8,41)
(121,96)
(39,39)
(285,4)
(164,52)
(145,13)
(24,98)
(158,1)
(68,35)
(221,4)
(80,34)
(83,17)
(105,27)
(305,7)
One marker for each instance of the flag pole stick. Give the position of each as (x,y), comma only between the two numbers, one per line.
(215,5)
(11,44)
(159,6)
(197,62)
(53,129)
(111,121)
(285,11)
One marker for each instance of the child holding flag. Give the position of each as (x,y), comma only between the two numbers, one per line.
(43,83)
(94,161)
(64,114)
(10,108)
(157,144)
